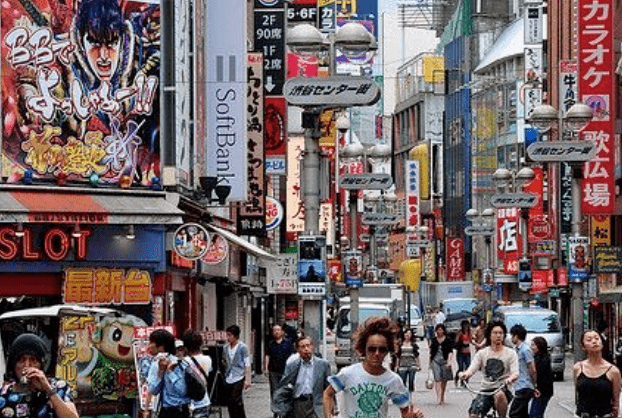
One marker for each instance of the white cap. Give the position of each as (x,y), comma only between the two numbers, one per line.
(179,343)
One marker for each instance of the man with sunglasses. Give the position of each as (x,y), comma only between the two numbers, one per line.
(368,386)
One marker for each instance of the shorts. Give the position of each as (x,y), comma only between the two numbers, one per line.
(482,403)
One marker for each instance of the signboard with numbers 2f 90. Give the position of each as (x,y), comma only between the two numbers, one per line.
(336,91)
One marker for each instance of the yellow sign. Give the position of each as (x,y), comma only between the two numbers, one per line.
(107,286)
(421,153)
(410,274)
(434,69)
(601,230)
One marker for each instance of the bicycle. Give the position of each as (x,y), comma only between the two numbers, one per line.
(492,412)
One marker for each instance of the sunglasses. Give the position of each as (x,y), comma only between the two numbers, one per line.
(382,349)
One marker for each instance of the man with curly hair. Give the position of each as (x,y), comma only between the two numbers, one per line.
(368,386)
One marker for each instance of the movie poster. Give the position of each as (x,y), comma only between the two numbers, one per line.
(80,90)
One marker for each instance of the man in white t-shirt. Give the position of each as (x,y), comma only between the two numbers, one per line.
(499,364)
(440,317)
(368,386)
(202,365)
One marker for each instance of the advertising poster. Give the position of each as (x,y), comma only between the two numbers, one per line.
(81,101)
(96,356)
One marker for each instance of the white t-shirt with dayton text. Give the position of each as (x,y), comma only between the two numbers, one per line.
(367,395)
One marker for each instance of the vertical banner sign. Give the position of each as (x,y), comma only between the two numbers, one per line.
(327,15)
(565,201)
(533,23)
(509,239)
(327,225)
(536,186)
(270,41)
(226,95)
(413,215)
(294,212)
(600,228)
(67,112)
(533,77)
(200,107)
(568,79)
(251,220)
(183,72)
(276,131)
(596,88)
(455,259)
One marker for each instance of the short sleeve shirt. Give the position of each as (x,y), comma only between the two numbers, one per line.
(496,366)
(368,395)
(525,356)
(279,353)
(16,404)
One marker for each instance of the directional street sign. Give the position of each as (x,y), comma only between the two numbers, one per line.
(379,219)
(479,230)
(421,243)
(579,151)
(366,181)
(514,200)
(338,91)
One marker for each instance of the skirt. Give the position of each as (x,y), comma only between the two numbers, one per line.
(441,372)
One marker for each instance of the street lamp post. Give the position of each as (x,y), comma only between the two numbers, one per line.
(482,225)
(545,118)
(513,181)
(353,41)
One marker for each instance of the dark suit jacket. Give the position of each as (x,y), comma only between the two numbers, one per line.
(283,398)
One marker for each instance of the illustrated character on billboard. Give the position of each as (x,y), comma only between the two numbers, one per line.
(108,367)
(85,89)
(579,257)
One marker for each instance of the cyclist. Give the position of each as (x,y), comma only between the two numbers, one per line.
(499,365)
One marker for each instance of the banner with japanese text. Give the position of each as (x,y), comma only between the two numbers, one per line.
(107,286)
(294,213)
(596,87)
(509,239)
(80,90)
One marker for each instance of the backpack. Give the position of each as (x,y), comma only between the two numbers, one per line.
(196,384)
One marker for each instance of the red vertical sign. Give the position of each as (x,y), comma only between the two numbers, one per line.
(509,239)
(455,259)
(596,88)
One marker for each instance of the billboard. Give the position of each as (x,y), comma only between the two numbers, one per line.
(81,100)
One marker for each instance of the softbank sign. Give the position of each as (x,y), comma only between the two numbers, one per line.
(226,95)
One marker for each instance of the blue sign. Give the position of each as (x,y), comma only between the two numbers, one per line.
(350,282)
(578,275)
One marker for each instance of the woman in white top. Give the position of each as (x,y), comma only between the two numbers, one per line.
(193,341)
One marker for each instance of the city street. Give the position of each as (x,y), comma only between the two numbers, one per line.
(457,399)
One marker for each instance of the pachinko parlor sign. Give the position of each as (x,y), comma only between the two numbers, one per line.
(80,87)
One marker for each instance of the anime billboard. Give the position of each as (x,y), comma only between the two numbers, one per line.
(80,88)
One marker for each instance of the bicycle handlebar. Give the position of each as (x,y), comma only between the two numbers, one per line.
(480,392)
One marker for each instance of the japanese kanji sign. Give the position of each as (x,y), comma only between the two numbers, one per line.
(283,275)
(596,88)
(107,286)
(331,91)
(509,239)
(69,112)
(413,215)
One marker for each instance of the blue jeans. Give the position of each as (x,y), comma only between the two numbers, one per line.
(538,406)
(408,377)
(464,361)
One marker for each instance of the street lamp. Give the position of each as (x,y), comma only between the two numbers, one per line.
(513,182)
(306,40)
(482,225)
(546,117)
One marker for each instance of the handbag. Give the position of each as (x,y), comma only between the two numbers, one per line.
(195,384)
(429,382)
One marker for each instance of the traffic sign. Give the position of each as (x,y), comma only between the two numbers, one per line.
(379,219)
(479,230)
(338,91)
(366,181)
(579,151)
(514,200)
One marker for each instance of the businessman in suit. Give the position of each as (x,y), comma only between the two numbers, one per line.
(303,383)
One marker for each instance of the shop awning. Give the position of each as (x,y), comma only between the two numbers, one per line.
(511,43)
(63,205)
(241,242)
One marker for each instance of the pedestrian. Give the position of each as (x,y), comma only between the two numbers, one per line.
(166,378)
(193,341)
(304,381)
(544,378)
(277,352)
(237,372)
(408,362)
(603,330)
(180,349)
(525,384)
(440,317)
(463,347)
(597,382)
(479,339)
(27,391)
(368,386)
(428,323)
(499,364)
(441,356)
